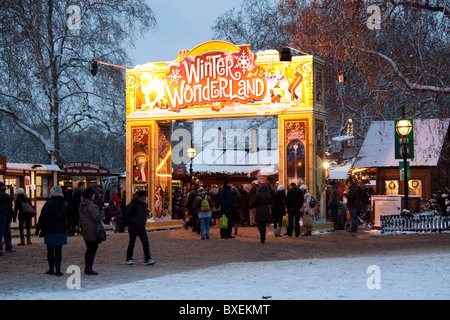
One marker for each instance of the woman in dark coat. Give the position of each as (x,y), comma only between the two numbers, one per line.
(52,225)
(262,202)
(278,210)
(90,217)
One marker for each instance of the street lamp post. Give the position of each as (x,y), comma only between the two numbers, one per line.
(403,128)
(191,153)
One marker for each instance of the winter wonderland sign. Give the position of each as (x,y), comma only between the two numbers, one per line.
(220,79)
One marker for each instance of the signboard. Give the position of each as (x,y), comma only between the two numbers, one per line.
(409,142)
(83,169)
(220,77)
(214,77)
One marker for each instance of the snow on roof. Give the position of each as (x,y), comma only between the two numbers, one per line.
(29,166)
(340,172)
(236,161)
(342,138)
(378,146)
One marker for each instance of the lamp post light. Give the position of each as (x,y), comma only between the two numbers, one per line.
(403,128)
(191,153)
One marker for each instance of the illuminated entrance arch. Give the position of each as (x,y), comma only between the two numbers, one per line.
(218,80)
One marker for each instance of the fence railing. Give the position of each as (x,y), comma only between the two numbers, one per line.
(414,223)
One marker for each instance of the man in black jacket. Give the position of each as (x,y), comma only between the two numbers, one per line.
(5,201)
(294,203)
(136,218)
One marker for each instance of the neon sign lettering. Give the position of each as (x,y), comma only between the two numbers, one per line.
(214,77)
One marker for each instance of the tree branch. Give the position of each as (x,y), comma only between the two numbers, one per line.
(409,84)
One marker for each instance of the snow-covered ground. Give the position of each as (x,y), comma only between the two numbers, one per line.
(423,276)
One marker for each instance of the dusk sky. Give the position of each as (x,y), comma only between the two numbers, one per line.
(181,25)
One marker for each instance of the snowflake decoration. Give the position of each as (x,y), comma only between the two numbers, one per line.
(244,62)
(175,76)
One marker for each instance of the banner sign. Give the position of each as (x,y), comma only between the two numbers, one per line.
(83,169)
(214,78)
(219,76)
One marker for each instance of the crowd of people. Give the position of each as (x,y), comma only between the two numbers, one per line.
(84,210)
(257,205)
(346,202)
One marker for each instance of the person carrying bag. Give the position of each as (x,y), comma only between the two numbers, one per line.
(92,228)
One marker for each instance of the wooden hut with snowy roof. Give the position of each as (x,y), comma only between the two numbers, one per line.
(430,168)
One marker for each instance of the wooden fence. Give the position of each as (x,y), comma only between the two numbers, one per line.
(414,223)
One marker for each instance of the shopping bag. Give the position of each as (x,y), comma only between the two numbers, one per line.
(223,224)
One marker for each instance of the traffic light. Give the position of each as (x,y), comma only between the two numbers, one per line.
(285,54)
(94,68)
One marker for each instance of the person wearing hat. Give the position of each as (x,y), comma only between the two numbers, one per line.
(52,226)
(135,217)
(278,210)
(23,219)
(262,202)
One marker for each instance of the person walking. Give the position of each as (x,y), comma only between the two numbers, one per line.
(90,218)
(294,203)
(53,227)
(135,217)
(308,212)
(24,221)
(352,203)
(278,210)
(202,205)
(262,203)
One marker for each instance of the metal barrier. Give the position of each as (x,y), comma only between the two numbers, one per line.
(414,223)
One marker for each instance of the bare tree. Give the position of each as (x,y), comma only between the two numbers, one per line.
(394,54)
(256,23)
(46,53)
(399,61)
